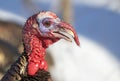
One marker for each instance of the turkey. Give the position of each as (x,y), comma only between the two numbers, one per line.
(40,31)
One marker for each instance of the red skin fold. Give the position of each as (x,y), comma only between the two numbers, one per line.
(36,57)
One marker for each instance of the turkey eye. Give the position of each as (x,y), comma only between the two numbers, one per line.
(47,23)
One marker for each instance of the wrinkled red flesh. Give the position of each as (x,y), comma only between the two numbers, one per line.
(36,57)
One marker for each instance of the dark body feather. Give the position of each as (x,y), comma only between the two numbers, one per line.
(17,72)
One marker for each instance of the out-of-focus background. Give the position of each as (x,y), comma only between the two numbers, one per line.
(97,23)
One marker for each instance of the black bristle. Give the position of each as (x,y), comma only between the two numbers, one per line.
(41,75)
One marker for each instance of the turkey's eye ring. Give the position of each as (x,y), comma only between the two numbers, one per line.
(47,24)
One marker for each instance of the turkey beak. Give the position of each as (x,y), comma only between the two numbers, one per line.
(67,32)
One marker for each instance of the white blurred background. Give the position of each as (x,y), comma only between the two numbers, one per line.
(97,24)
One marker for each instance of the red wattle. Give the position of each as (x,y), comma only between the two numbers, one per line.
(36,57)
(43,65)
(32,68)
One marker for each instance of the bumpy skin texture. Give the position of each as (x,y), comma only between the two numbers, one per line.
(36,57)
(35,46)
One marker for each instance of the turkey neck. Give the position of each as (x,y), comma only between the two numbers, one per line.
(35,47)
